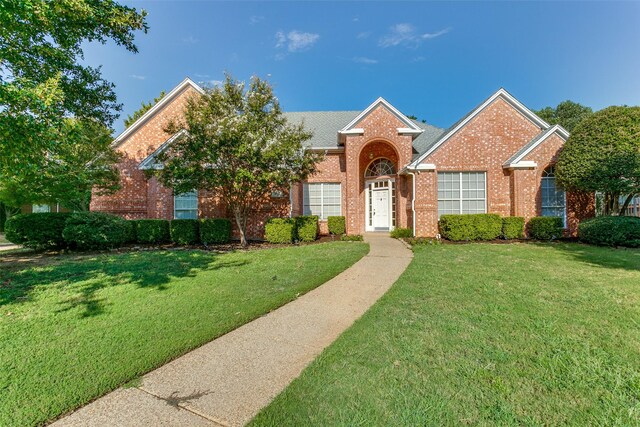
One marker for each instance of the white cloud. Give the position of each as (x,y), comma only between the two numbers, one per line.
(190,40)
(363,35)
(137,77)
(364,60)
(255,19)
(418,59)
(296,41)
(406,34)
(202,76)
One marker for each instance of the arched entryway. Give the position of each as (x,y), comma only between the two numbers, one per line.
(380,195)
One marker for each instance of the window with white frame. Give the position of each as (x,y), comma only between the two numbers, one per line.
(185,205)
(40,208)
(553,197)
(462,193)
(322,199)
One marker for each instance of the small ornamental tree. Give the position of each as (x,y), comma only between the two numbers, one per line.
(603,154)
(238,144)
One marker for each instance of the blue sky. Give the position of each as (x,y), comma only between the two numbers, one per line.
(434,60)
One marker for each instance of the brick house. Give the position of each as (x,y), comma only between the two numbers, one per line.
(380,170)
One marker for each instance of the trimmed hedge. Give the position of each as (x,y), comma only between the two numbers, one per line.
(337,225)
(545,227)
(466,227)
(215,230)
(279,230)
(184,231)
(512,227)
(151,231)
(96,230)
(37,230)
(351,238)
(611,231)
(398,233)
(306,228)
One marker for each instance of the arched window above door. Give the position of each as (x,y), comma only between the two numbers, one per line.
(380,167)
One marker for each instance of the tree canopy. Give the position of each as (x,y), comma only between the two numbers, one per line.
(144,107)
(41,78)
(603,154)
(237,143)
(567,114)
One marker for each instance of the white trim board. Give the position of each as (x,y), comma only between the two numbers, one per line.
(557,129)
(159,105)
(501,93)
(411,126)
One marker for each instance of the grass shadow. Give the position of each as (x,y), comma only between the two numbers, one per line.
(614,258)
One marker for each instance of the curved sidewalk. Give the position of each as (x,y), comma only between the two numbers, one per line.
(227,381)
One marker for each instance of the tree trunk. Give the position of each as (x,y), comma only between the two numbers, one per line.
(625,205)
(242,225)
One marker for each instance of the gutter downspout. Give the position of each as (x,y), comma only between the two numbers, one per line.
(413,200)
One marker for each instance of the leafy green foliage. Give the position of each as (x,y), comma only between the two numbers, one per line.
(603,154)
(237,144)
(215,230)
(185,231)
(400,232)
(545,227)
(146,106)
(152,231)
(306,228)
(468,227)
(37,230)
(336,225)
(611,231)
(280,230)
(43,80)
(352,238)
(96,230)
(567,114)
(512,227)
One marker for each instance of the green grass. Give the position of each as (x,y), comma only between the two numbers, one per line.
(483,334)
(73,328)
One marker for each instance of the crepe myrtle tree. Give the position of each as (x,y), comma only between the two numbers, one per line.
(603,155)
(235,141)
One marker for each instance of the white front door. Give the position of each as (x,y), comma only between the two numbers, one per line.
(380,207)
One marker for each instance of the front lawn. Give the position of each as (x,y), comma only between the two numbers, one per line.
(485,334)
(75,327)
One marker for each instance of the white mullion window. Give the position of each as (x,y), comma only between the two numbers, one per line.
(185,205)
(554,201)
(323,199)
(462,193)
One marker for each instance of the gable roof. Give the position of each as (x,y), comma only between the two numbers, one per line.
(411,128)
(150,162)
(187,82)
(501,93)
(537,140)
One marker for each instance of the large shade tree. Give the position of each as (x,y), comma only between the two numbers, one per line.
(235,141)
(567,114)
(603,155)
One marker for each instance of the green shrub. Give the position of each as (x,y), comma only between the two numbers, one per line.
(215,230)
(423,241)
(337,225)
(351,238)
(306,228)
(611,231)
(545,227)
(279,230)
(398,233)
(96,230)
(466,227)
(152,231)
(131,232)
(184,231)
(512,227)
(37,230)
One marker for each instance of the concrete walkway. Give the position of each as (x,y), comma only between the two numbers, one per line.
(5,247)
(227,381)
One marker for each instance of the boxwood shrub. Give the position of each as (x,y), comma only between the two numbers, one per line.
(279,230)
(215,230)
(611,231)
(545,227)
(37,230)
(184,231)
(151,231)
(337,225)
(400,232)
(96,230)
(512,227)
(351,238)
(306,228)
(466,227)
